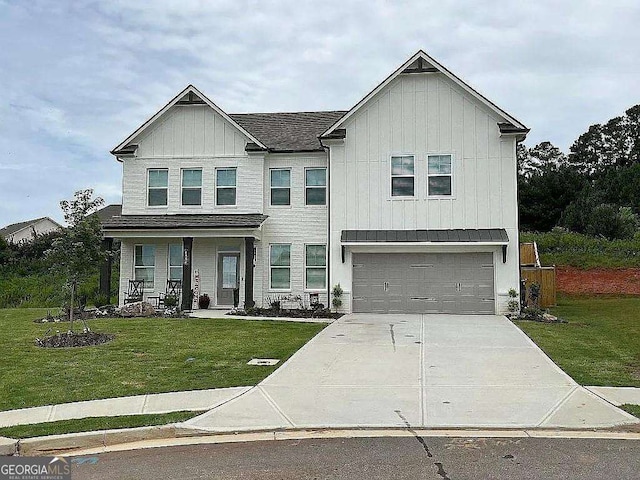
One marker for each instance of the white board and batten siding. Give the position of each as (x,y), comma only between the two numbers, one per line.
(192,137)
(422,114)
(296,224)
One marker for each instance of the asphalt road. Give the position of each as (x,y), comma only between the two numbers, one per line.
(375,458)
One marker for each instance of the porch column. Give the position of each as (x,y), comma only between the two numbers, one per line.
(187,244)
(248,276)
(105,269)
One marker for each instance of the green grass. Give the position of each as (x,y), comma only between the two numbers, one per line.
(152,355)
(601,343)
(94,423)
(583,251)
(632,409)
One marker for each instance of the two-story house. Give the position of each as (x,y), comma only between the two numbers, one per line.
(408,200)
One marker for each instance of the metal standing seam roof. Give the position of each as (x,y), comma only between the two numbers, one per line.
(184,221)
(288,132)
(495,235)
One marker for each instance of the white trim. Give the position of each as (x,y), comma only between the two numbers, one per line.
(182,187)
(453,183)
(149,169)
(304,262)
(155,251)
(443,70)
(272,289)
(172,102)
(215,185)
(326,188)
(391,175)
(185,232)
(281,188)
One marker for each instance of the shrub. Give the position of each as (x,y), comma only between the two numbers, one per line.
(337,292)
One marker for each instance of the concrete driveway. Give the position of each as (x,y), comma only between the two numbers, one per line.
(369,370)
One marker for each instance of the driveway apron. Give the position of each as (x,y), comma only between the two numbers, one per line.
(368,370)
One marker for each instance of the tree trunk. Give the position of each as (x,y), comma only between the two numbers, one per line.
(73,295)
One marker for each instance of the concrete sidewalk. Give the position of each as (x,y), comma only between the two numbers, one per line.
(432,371)
(618,395)
(194,400)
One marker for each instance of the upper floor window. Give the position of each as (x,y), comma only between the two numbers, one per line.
(315,186)
(175,261)
(439,175)
(192,186)
(145,264)
(225,186)
(315,261)
(280,186)
(157,186)
(403,176)
(280,266)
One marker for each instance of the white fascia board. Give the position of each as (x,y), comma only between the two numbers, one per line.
(177,233)
(441,69)
(175,100)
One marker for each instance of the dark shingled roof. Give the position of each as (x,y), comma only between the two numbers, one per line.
(107,212)
(132,222)
(468,235)
(14,227)
(288,132)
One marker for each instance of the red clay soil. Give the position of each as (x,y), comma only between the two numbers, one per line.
(598,280)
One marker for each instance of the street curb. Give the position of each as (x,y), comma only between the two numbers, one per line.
(91,443)
(8,446)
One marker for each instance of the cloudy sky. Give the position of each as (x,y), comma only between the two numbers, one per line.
(76,77)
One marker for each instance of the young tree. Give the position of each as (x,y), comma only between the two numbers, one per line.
(77,251)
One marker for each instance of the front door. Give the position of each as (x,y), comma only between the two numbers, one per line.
(228,275)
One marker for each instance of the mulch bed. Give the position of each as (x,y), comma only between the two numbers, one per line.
(64,340)
(572,280)
(289,313)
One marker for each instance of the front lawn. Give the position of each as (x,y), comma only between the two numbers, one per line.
(152,355)
(93,424)
(601,343)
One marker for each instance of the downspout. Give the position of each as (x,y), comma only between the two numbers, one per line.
(328,150)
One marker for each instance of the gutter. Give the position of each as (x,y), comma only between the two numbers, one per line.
(328,150)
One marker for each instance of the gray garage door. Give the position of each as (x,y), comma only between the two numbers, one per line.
(423,283)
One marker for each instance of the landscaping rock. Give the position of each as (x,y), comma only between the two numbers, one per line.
(137,309)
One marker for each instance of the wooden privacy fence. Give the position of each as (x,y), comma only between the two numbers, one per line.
(546,278)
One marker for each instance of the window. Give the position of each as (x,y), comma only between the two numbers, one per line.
(158,183)
(145,264)
(439,175)
(315,185)
(280,266)
(315,267)
(192,187)
(225,186)
(280,186)
(175,262)
(402,176)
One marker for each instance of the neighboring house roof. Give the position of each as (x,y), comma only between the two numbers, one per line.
(288,132)
(493,235)
(420,62)
(107,212)
(124,222)
(16,227)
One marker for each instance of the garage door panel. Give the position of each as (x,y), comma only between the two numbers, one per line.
(423,283)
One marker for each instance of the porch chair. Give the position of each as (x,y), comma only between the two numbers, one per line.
(134,294)
(174,289)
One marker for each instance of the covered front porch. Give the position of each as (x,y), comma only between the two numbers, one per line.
(201,254)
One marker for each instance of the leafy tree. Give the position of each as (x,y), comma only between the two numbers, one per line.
(77,251)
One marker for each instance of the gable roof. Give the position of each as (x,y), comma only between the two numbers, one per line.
(289,132)
(420,62)
(16,227)
(189,91)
